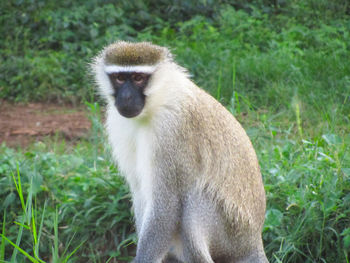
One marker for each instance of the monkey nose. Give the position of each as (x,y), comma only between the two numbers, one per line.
(126,98)
(126,95)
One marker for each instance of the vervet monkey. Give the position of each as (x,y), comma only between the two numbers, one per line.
(195,180)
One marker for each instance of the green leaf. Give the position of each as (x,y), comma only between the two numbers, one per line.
(9,200)
(273,218)
(331,139)
(346,239)
(346,171)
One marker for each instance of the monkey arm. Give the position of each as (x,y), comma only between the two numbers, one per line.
(160,223)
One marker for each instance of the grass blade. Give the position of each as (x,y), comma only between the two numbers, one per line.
(2,246)
(36,248)
(34,228)
(20,250)
(68,244)
(238,105)
(73,252)
(218,90)
(55,248)
(19,187)
(22,225)
(24,208)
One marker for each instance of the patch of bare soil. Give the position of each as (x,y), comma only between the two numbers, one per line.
(22,124)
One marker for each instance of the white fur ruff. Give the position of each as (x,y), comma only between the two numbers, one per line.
(133,140)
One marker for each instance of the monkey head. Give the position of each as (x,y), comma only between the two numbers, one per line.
(125,70)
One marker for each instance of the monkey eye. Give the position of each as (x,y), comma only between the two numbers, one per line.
(138,78)
(119,78)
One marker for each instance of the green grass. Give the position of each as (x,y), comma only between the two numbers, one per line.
(308,189)
(28,222)
(282,71)
(306,176)
(307,180)
(77,193)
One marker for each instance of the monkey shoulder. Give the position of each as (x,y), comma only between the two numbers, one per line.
(222,154)
(209,118)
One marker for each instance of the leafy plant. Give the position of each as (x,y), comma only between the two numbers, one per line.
(28,221)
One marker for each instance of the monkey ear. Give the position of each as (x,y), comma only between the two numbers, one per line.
(102,81)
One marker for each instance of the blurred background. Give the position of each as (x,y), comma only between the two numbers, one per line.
(281,67)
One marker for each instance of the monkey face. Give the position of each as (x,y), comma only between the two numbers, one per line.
(129,92)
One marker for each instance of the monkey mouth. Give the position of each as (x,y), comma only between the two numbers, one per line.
(129,112)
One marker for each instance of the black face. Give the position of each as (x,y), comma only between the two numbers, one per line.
(129,92)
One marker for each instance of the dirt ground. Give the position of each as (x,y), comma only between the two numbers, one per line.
(22,124)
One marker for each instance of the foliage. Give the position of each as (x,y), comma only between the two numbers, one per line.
(28,221)
(282,67)
(92,200)
(307,184)
(47,45)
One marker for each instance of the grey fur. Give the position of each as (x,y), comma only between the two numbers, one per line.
(208,199)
